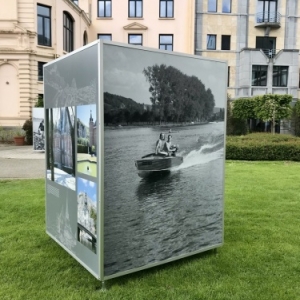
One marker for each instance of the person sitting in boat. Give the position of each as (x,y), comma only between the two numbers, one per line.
(159,148)
(169,148)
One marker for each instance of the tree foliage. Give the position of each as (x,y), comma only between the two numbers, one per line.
(234,125)
(176,96)
(244,108)
(295,118)
(272,107)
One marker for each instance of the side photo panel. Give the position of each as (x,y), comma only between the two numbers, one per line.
(71,98)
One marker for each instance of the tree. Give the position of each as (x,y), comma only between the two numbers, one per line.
(244,108)
(295,118)
(176,96)
(272,107)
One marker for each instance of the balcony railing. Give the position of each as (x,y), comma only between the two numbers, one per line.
(269,18)
(270,52)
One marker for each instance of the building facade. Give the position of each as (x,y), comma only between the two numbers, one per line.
(33,33)
(259,39)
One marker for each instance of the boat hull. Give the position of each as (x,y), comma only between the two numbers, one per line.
(158,164)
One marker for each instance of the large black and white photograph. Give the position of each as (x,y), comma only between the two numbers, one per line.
(164,156)
(38,128)
(87,139)
(61,146)
(87,213)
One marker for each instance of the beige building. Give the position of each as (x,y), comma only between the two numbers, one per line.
(31,34)
(260,39)
(35,32)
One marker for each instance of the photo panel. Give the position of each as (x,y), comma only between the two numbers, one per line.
(87,213)
(87,139)
(38,128)
(163,157)
(61,146)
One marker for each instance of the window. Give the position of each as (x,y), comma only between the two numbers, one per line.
(68,33)
(225,42)
(40,71)
(85,38)
(135,39)
(104,37)
(166,8)
(259,75)
(267,44)
(75,1)
(267,11)
(44,25)
(104,8)
(135,9)
(166,42)
(280,75)
(226,6)
(212,6)
(211,41)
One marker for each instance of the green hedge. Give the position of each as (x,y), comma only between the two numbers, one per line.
(261,146)
(82,149)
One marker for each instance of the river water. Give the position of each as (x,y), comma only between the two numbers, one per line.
(169,215)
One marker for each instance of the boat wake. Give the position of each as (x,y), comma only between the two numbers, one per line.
(205,154)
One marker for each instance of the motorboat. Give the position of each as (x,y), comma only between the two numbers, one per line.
(157,163)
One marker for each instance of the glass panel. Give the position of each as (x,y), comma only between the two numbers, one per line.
(101,9)
(211,42)
(163,8)
(131,9)
(162,47)
(166,39)
(139,9)
(226,6)
(108,9)
(212,5)
(259,75)
(47,32)
(169,47)
(43,10)
(67,41)
(135,39)
(170,9)
(284,76)
(104,37)
(225,42)
(40,27)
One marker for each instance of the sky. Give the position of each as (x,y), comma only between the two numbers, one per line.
(123,72)
(84,112)
(88,187)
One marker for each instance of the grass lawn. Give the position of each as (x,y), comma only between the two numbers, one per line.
(260,258)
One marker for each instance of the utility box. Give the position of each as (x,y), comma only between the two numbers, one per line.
(135,150)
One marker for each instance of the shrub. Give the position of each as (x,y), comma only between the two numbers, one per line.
(262,146)
(82,149)
(27,127)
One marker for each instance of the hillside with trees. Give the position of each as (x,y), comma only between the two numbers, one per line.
(175,97)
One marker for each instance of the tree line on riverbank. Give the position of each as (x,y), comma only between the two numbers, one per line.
(175,97)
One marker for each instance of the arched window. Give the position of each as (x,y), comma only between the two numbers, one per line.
(68,34)
(85,38)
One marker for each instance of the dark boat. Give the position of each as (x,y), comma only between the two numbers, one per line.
(153,163)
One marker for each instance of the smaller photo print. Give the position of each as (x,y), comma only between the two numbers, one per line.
(38,124)
(61,146)
(87,140)
(87,213)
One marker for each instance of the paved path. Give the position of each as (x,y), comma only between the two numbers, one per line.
(21,162)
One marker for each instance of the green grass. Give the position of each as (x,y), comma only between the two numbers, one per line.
(259,260)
